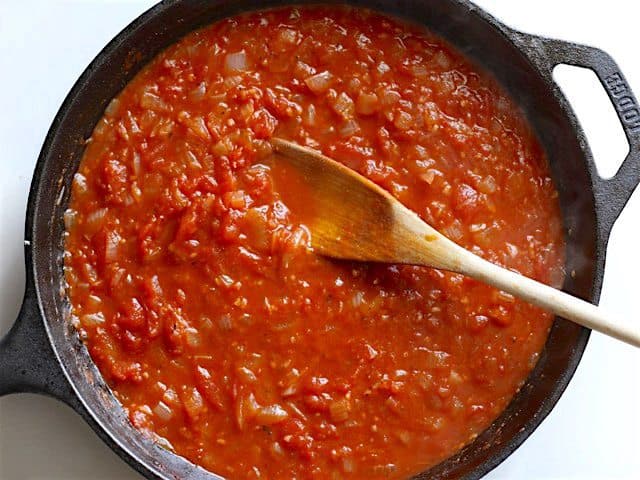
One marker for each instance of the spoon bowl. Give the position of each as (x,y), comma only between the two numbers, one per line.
(352,218)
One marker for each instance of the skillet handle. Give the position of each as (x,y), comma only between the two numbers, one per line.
(611,195)
(27,360)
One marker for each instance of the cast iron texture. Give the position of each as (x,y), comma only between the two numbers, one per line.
(42,353)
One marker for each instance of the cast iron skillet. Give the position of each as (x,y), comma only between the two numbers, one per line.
(43,354)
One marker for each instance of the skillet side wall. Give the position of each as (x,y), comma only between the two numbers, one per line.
(472,32)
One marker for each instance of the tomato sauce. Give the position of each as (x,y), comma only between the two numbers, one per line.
(196,292)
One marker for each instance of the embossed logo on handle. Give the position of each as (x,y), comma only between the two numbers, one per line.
(624,101)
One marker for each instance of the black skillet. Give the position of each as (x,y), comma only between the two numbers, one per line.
(43,354)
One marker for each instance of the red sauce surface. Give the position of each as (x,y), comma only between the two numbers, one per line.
(196,292)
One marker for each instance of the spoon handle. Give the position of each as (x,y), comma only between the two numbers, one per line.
(549,298)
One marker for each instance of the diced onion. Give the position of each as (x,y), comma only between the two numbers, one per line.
(256,229)
(133,123)
(344,106)
(111,247)
(198,92)
(90,273)
(350,128)
(224,280)
(304,70)
(309,117)
(246,408)
(500,296)
(223,147)
(80,184)
(419,70)
(192,337)
(170,396)
(196,124)
(288,36)
(512,249)
(137,164)
(224,322)
(164,443)
(271,414)
(70,217)
(367,103)
(392,404)
(154,286)
(430,175)
(163,411)
(320,82)
(276,448)
(425,381)
(487,184)
(235,199)
(193,403)
(236,62)
(247,375)
(136,193)
(92,319)
(403,120)
(357,299)
(292,406)
(112,108)
(200,128)
(152,101)
(383,68)
(290,391)
(96,218)
(371,352)
(246,111)
(118,276)
(453,231)
(231,82)
(251,405)
(389,98)
(93,302)
(192,160)
(300,238)
(442,60)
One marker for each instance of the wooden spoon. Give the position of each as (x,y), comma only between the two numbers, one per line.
(352,218)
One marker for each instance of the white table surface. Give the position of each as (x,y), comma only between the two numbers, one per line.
(594,431)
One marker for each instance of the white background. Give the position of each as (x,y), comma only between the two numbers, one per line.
(593,433)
